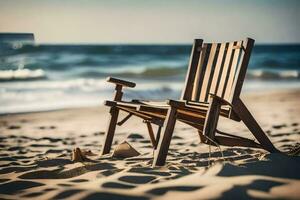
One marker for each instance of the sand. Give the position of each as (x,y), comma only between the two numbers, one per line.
(36,148)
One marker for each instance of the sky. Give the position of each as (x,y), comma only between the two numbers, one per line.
(152,21)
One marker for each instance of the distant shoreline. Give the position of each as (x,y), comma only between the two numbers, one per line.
(250,93)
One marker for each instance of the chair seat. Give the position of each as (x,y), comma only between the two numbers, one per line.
(158,109)
(163,105)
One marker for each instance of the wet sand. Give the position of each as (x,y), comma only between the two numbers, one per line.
(35,157)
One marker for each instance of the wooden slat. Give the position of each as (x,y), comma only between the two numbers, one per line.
(192,68)
(208,71)
(212,73)
(218,69)
(147,108)
(127,104)
(143,116)
(195,125)
(191,113)
(232,70)
(242,68)
(191,119)
(224,71)
(200,71)
(153,114)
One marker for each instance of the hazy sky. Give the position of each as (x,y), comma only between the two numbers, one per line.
(152,21)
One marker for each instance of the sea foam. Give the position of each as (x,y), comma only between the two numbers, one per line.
(21,74)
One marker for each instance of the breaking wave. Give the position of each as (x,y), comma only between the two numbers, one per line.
(273,75)
(22,75)
(44,77)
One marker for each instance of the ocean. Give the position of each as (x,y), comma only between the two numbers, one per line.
(47,77)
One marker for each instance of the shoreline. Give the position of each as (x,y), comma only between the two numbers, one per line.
(245,93)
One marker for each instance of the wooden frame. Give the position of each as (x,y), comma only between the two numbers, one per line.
(212,89)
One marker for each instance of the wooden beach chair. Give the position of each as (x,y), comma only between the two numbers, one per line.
(213,85)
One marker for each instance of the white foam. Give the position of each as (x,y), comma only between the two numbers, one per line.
(21,74)
(274,74)
(289,74)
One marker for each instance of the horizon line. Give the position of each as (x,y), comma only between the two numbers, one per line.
(146,43)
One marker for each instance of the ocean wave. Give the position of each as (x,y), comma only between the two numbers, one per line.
(22,74)
(168,72)
(290,62)
(149,73)
(268,74)
(108,49)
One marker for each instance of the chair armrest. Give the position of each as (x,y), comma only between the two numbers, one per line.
(220,99)
(176,103)
(196,103)
(120,82)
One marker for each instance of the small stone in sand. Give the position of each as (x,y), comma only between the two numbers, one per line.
(79,155)
(135,136)
(14,127)
(125,150)
(279,126)
(99,133)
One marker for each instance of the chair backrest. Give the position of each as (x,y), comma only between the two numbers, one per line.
(217,68)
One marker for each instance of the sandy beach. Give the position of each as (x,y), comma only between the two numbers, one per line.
(35,157)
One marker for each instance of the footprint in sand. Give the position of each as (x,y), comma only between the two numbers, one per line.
(163,190)
(47,127)
(65,185)
(107,195)
(177,137)
(66,194)
(257,185)
(279,126)
(148,170)
(117,185)
(145,141)
(83,136)
(295,124)
(34,194)
(99,133)
(16,186)
(108,172)
(79,180)
(137,179)
(135,136)
(281,134)
(14,148)
(49,189)
(52,140)
(13,127)
(4,180)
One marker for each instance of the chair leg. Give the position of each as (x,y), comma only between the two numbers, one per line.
(245,115)
(212,118)
(109,135)
(160,154)
(157,137)
(151,134)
